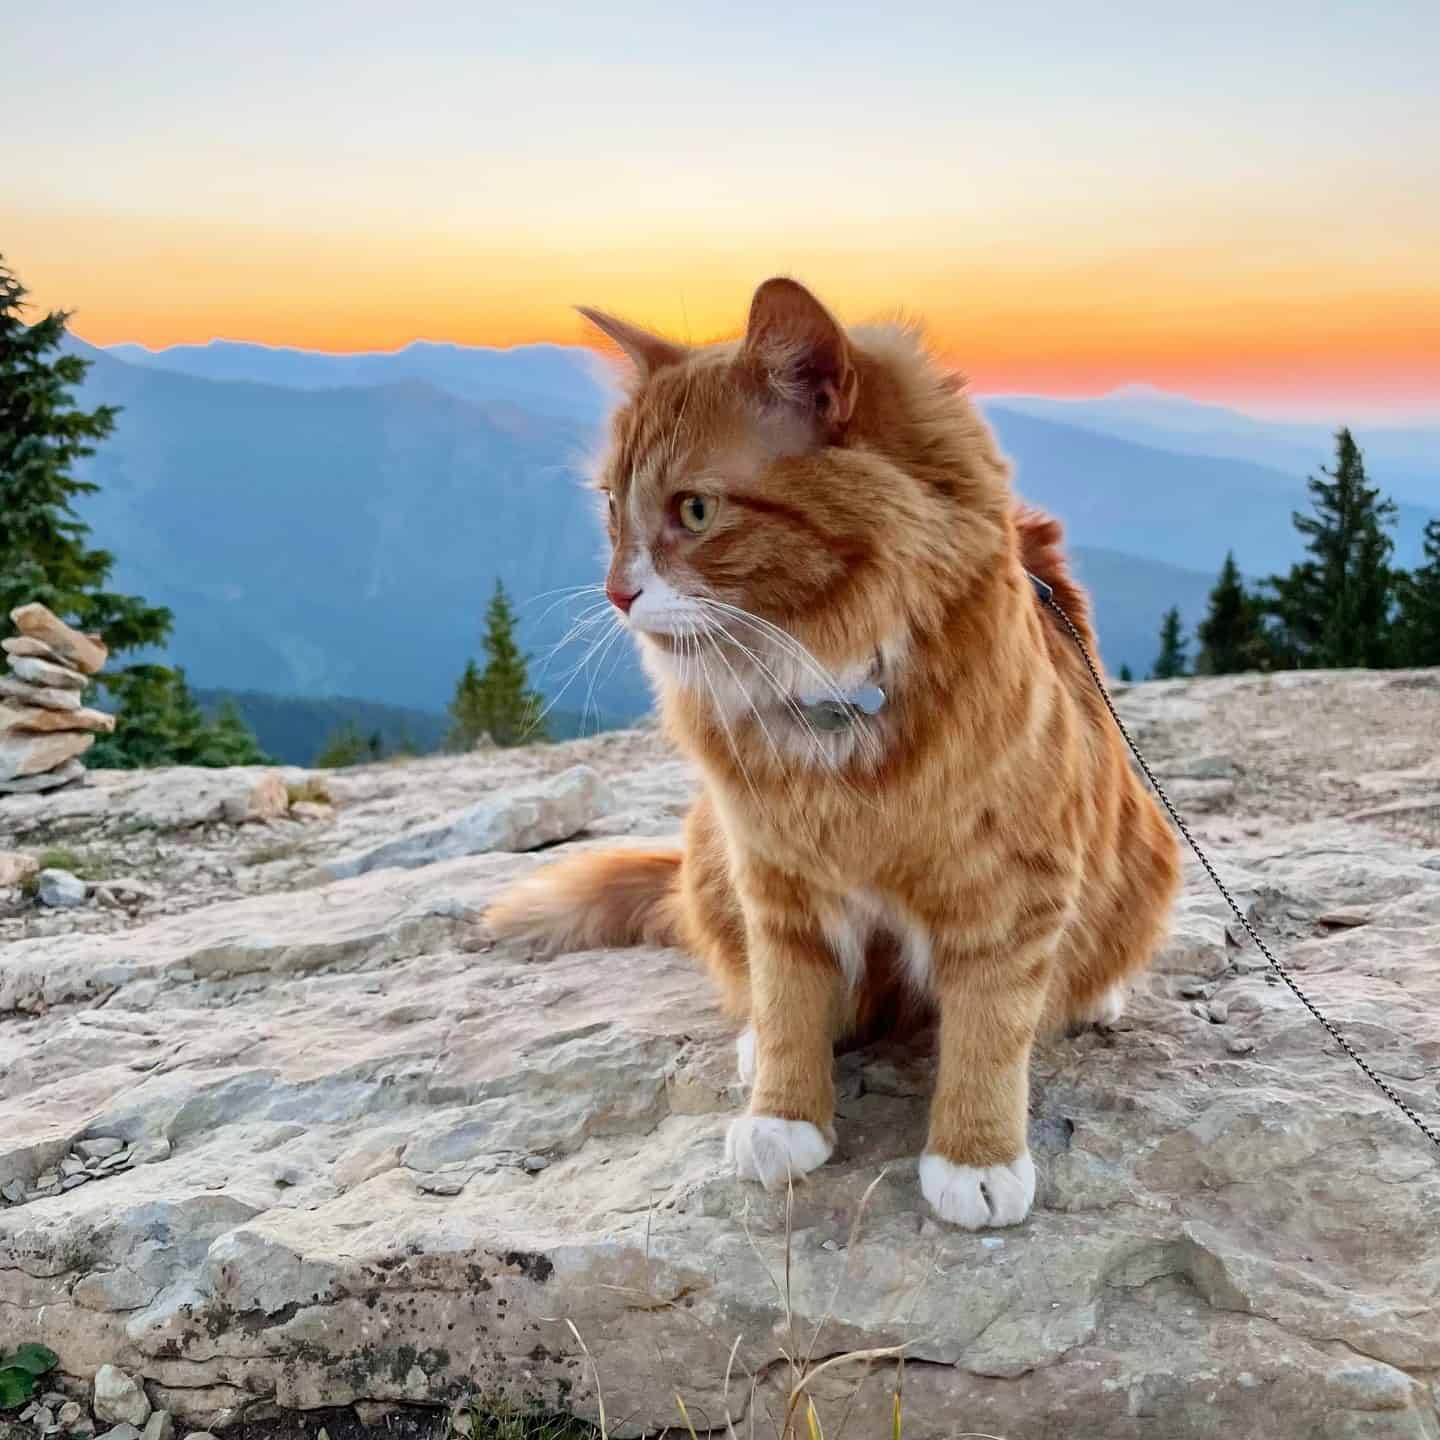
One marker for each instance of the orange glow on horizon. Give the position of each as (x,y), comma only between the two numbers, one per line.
(1279,333)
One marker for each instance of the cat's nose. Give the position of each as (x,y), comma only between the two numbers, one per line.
(620,600)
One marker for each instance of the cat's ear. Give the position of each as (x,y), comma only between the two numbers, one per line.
(802,352)
(648,352)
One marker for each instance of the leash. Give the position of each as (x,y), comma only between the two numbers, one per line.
(1047,595)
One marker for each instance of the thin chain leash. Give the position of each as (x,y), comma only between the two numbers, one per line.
(1048,596)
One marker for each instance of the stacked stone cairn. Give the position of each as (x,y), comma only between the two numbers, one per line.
(44,728)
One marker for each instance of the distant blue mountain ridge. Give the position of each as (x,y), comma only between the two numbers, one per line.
(327,525)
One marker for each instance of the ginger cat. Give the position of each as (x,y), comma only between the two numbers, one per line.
(809,515)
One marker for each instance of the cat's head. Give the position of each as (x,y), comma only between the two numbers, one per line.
(801,484)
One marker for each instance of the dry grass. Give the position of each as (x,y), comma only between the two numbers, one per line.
(311,791)
(797,1415)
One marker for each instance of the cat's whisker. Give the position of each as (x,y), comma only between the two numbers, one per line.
(711,630)
(569,678)
(609,646)
(567,598)
(862,732)
(725,725)
(588,620)
(786,642)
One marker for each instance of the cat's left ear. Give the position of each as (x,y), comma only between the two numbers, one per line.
(801,352)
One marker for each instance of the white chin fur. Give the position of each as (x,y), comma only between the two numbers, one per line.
(774,1151)
(975,1197)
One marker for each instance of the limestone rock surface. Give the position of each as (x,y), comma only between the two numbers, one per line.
(355,1156)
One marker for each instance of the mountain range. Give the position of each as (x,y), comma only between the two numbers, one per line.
(335,524)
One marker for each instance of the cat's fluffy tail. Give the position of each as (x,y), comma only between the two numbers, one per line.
(606,898)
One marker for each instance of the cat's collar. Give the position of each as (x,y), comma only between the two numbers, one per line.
(836,710)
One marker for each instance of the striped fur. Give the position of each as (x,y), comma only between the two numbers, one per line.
(980,854)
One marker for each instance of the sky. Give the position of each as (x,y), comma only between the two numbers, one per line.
(1237,201)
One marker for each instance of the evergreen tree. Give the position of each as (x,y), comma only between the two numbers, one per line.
(1334,608)
(1417,625)
(45,553)
(498,702)
(1232,634)
(1170,663)
(1126,674)
(346,746)
(159,723)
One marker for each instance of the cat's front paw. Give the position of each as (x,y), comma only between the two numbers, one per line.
(976,1196)
(773,1151)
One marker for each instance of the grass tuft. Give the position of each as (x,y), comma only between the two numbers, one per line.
(84,864)
(313,791)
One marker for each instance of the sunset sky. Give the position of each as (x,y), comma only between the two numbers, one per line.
(1241,202)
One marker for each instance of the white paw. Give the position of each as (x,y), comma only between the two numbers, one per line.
(745,1056)
(772,1151)
(974,1197)
(1110,1006)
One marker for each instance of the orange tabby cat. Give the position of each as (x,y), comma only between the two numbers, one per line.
(910,782)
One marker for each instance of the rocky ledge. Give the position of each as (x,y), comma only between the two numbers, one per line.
(271,1138)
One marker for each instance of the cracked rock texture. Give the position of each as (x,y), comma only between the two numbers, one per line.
(310,1142)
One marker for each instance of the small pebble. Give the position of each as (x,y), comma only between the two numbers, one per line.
(74,1182)
(1239,1045)
(534,1164)
(68,1414)
(71,1165)
(1219,1012)
(100,1148)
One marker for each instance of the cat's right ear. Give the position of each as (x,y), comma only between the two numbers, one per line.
(647,352)
(802,352)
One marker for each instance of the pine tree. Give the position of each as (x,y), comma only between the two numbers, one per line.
(228,740)
(498,702)
(345,746)
(1126,674)
(1232,634)
(465,710)
(1417,625)
(45,553)
(159,723)
(1334,609)
(1170,663)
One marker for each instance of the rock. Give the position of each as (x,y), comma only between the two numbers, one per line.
(36,717)
(13,1191)
(15,868)
(44,1420)
(60,890)
(69,1414)
(56,779)
(1234,1234)
(45,696)
(100,1148)
(87,653)
(123,1431)
(515,820)
(311,811)
(130,893)
(24,754)
(46,672)
(28,645)
(119,1398)
(160,1426)
(71,1165)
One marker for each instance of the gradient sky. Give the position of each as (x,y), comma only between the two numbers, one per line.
(1241,202)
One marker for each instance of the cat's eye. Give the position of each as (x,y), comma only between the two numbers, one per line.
(697,511)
